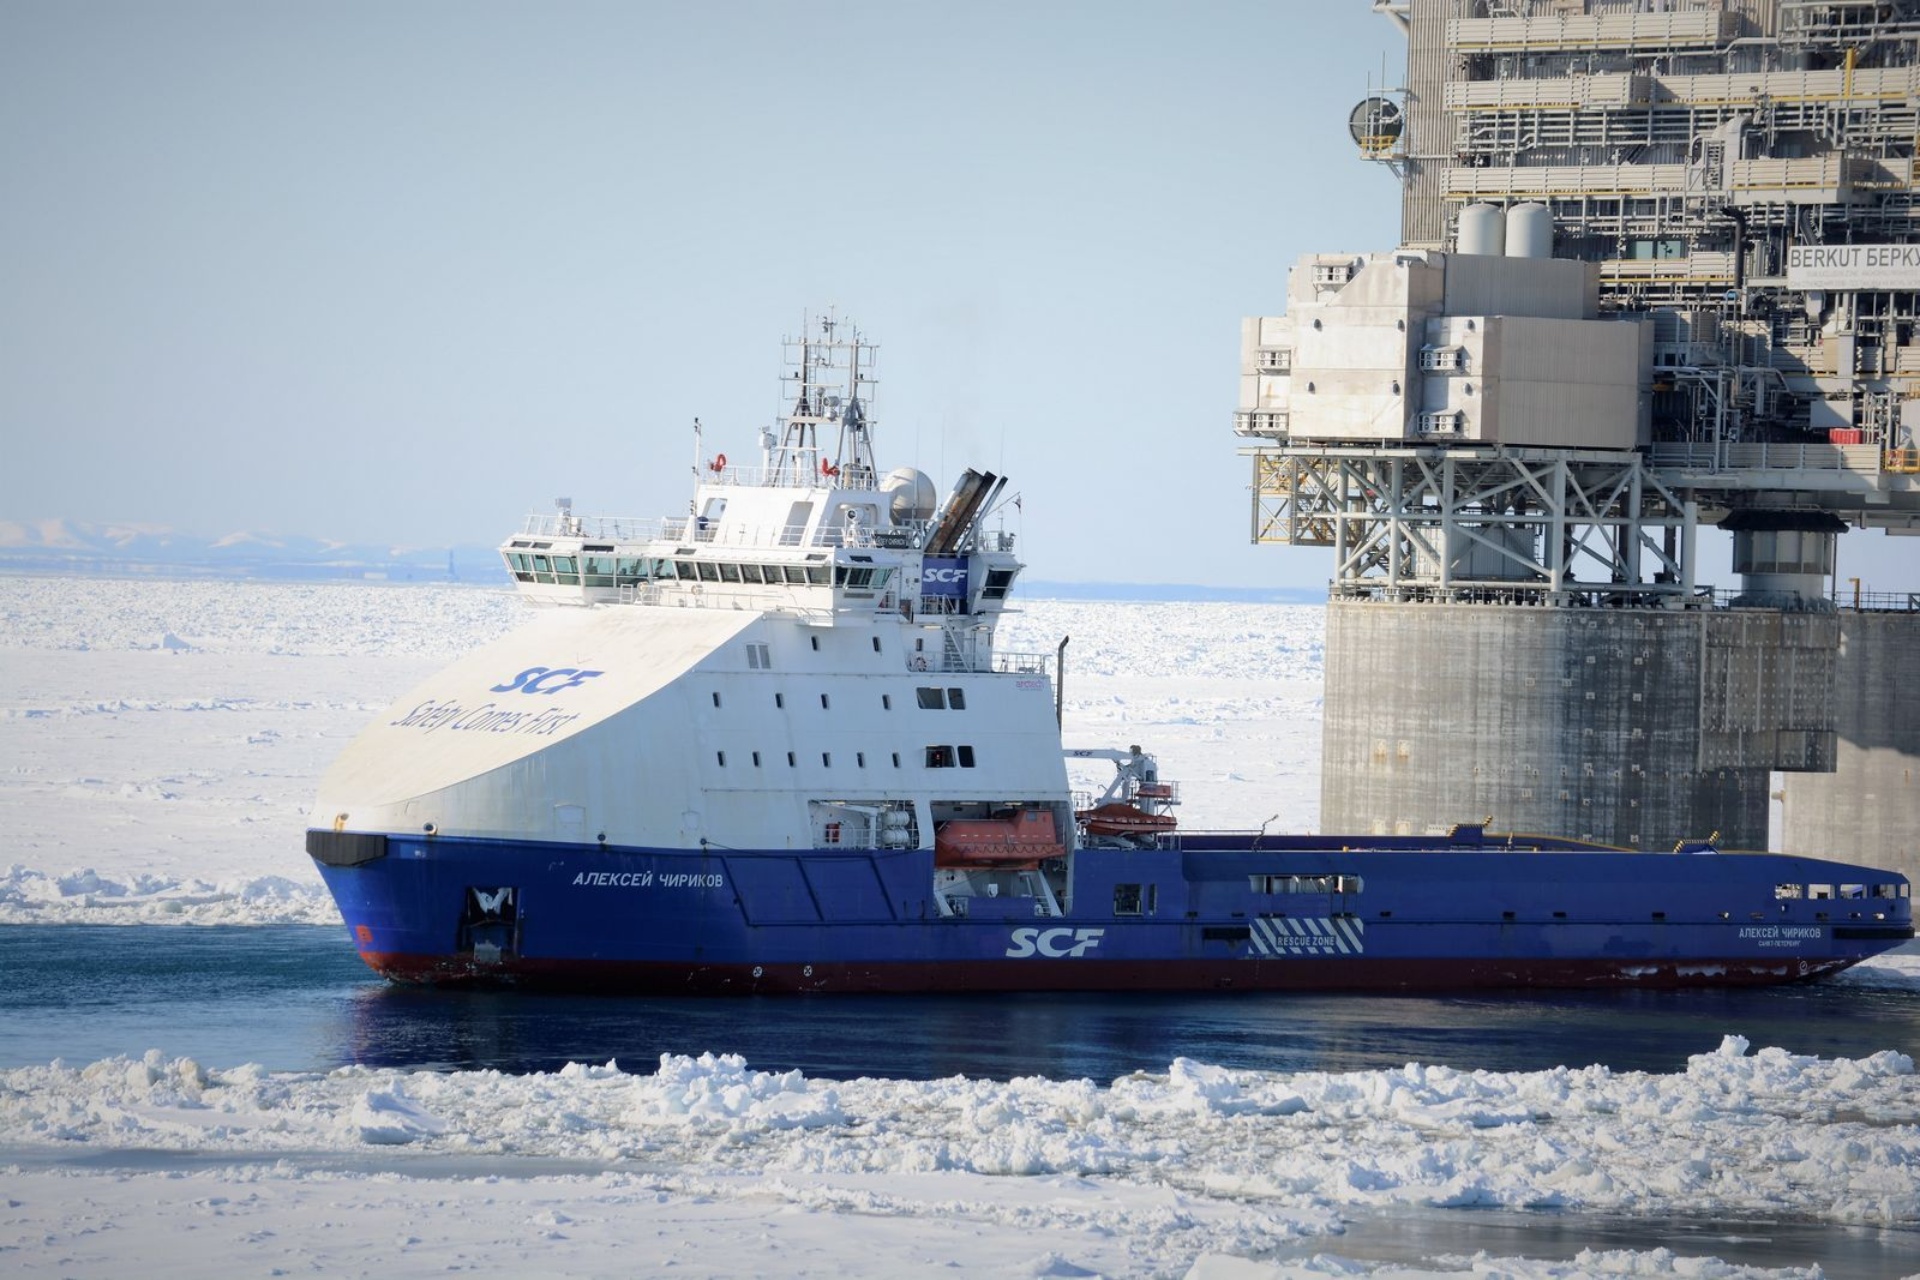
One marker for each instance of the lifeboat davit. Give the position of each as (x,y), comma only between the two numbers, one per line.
(1122,819)
(1020,839)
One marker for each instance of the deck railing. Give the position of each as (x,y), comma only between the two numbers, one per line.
(1776,456)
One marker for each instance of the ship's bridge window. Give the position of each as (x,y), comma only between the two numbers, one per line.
(567,570)
(750,573)
(1784,891)
(709,571)
(1887,890)
(597,571)
(729,572)
(819,575)
(947,757)
(796,574)
(1853,891)
(1819,891)
(861,577)
(999,582)
(684,570)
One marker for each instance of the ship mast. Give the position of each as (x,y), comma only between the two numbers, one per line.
(829,379)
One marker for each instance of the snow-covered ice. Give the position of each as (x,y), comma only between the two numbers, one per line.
(709,1163)
(159,744)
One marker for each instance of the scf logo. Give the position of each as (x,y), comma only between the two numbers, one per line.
(546,680)
(1054,942)
(943,575)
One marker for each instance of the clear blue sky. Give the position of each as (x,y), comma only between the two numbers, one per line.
(406,271)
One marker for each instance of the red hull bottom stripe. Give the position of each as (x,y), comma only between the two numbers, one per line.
(1343,974)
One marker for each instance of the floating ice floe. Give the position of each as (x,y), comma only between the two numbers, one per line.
(85,896)
(1737,1132)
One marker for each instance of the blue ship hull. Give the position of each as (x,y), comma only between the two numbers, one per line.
(1202,912)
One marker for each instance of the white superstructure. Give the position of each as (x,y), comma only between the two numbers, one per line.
(803,660)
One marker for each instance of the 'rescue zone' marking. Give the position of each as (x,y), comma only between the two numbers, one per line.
(1307,936)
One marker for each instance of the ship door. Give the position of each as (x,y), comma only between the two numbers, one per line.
(1346,895)
(490,924)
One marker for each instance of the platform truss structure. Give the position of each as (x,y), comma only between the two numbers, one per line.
(1541,526)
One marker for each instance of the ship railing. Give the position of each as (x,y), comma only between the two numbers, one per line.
(800,471)
(640,593)
(704,595)
(628,533)
(964,655)
(1022,664)
(599,528)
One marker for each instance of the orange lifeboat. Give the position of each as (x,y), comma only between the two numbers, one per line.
(1018,840)
(1121,819)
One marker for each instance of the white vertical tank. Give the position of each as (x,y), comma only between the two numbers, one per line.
(1483,230)
(1529,231)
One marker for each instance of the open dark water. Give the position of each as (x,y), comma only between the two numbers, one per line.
(293,998)
(298,998)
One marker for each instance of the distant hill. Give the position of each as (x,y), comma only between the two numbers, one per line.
(79,547)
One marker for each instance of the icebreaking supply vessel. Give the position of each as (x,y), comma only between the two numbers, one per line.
(770,746)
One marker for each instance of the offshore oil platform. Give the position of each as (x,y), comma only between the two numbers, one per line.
(1659,269)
